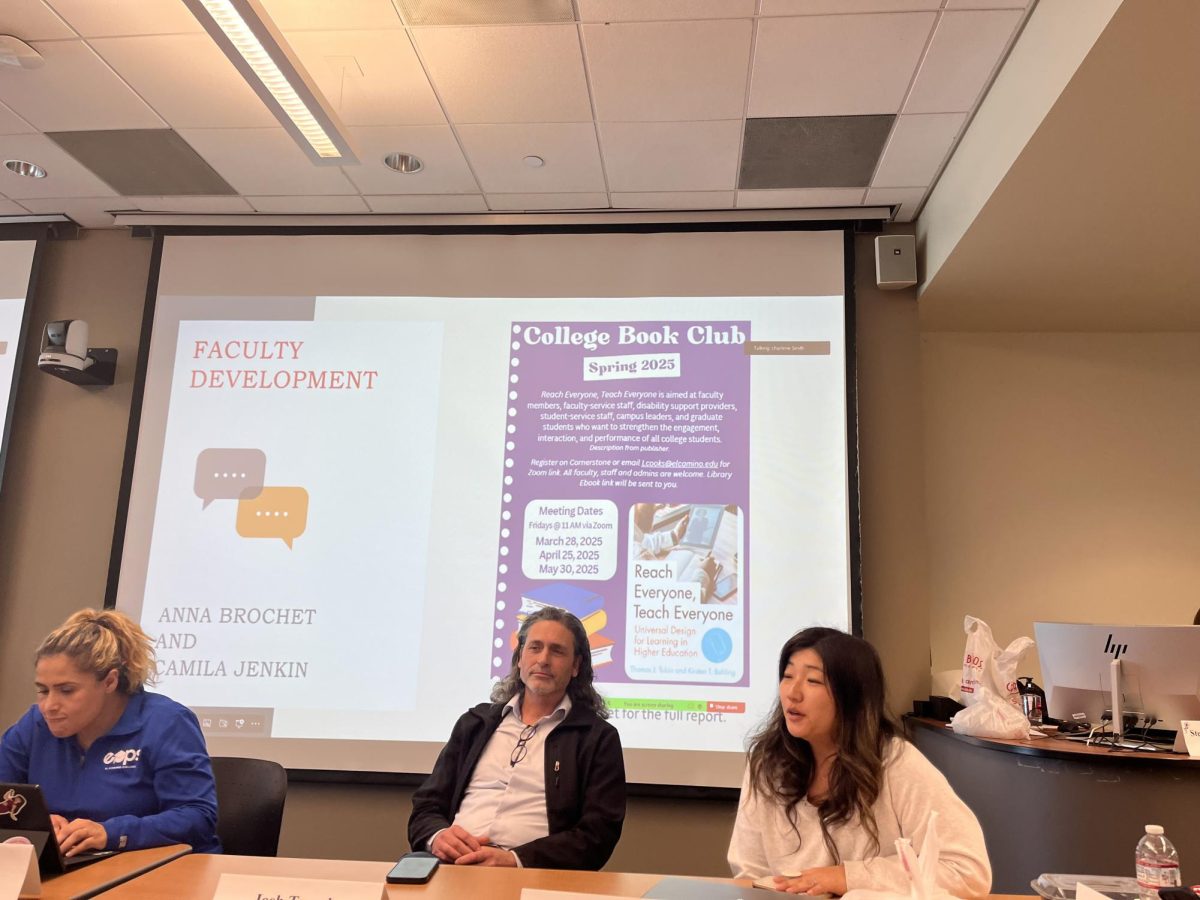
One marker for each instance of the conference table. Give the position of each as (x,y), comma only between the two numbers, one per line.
(195,878)
(95,878)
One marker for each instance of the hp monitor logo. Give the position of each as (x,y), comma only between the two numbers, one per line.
(1115,649)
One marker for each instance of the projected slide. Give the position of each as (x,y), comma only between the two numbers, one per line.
(639,429)
(16,268)
(344,504)
(12,310)
(290,490)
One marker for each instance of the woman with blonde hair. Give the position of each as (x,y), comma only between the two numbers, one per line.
(121,768)
(831,784)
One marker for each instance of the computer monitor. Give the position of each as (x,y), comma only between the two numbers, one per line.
(1159,675)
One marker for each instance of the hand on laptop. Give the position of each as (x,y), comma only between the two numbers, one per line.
(79,835)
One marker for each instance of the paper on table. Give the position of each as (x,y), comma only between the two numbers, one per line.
(19,875)
(250,887)
(1191,736)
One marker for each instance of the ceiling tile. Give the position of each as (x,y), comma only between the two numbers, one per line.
(669,71)
(12,208)
(987,4)
(322,15)
(32,20)
(836,65)
(673,200)
(671,156)
(516,73)
(207,93)
(844,7)
(309,205)
(11,123)
(74,91)
(264,161)
(497,152)
(369,77)
(64,176)
(445,168)
(906,199)
(88,212)
(657,10)
(143,162)
(428,203)
(812,151)
(966,47)
(516,202)
(808,198)
(109,18)
(916,149)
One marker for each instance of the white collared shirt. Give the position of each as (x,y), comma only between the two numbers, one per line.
(507,802)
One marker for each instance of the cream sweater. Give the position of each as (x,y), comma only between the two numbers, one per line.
(765,843)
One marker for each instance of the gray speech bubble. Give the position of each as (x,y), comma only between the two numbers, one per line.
(229,473)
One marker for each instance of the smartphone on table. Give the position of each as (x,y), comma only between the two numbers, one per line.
(413,868)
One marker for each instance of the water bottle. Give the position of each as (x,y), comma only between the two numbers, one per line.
(1157,863)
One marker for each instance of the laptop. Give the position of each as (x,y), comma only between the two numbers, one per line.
(23,813)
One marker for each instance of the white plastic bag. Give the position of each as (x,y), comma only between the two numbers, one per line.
(921,870)
(989,685)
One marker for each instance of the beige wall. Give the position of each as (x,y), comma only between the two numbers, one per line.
(63,477)
(1062,481)
(65,453)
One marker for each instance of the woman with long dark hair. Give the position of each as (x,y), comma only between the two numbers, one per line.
(831,784)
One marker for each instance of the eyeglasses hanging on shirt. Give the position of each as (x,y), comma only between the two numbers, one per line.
(522,747)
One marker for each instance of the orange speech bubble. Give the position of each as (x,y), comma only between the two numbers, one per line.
(277,512)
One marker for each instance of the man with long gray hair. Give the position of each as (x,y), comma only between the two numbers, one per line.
(536,777)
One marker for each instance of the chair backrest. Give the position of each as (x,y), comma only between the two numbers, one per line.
(250,797)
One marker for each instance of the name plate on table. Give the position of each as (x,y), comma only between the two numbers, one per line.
(271,887)
(1191,736)
(19,871)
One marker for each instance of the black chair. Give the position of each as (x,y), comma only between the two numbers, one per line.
(250,797)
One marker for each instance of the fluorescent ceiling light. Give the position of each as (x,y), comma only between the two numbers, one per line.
(246,35)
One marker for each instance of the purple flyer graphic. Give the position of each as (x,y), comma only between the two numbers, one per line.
(625,497)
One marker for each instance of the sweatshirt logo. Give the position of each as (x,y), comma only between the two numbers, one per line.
(122,759)
(11,804)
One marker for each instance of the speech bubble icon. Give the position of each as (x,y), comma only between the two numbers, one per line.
(229,473)
(277,512)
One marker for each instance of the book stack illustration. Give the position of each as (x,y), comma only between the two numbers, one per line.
(583,603)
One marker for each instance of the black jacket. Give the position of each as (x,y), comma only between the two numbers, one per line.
(585,788)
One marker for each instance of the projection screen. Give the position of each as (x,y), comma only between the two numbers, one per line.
(361,459)
(16,275)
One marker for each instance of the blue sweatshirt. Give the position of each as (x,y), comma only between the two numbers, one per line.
(148,781)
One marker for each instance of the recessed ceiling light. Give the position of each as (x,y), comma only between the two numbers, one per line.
(404,163)
(534,162)
(21,167)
